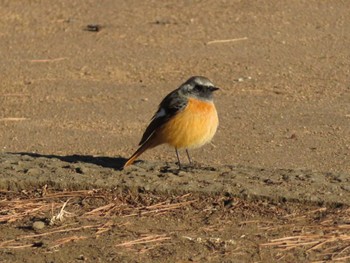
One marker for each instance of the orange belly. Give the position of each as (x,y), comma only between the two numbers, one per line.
(191,128)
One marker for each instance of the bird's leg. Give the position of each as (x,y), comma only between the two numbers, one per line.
(189,158)
(178,159)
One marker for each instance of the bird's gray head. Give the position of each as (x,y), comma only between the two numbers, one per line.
(198,87)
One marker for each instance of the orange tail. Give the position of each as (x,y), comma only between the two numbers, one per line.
(147,145)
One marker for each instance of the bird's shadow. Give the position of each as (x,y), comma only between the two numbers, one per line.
(107,162)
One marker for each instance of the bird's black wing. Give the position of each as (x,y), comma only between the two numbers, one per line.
(172,104)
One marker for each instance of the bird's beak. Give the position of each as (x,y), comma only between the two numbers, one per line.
(213,88)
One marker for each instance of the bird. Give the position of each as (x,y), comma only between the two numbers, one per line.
(186,119)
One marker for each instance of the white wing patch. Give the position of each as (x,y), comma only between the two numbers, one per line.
(160,113)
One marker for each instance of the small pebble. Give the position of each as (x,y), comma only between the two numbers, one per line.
(82,257)
(93,28)
(37,225)
(293,136)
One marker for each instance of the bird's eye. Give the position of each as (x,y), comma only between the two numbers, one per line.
(197,88)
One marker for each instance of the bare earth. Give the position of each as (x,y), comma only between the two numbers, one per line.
(274,185)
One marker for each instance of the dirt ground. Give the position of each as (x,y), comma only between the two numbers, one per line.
(274,185)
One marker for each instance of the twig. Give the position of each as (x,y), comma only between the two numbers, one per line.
(46,60)
(105,227)
(19,246)
(160,208)
(18,209)
(3,244)
(341,259)
(226,40)
(144,240)
(317,241)
(13,119)
(65,240)
(104,208)
(60,215)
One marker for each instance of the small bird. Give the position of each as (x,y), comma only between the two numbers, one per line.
(186,119)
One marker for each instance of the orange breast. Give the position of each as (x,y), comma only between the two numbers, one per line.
(191,128)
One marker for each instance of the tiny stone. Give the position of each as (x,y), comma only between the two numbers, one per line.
(93,28)
(37,225)
(268,181)
(293,136)
(79,170)
(81,257)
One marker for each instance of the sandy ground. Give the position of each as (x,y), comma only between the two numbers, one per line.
(74,104)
